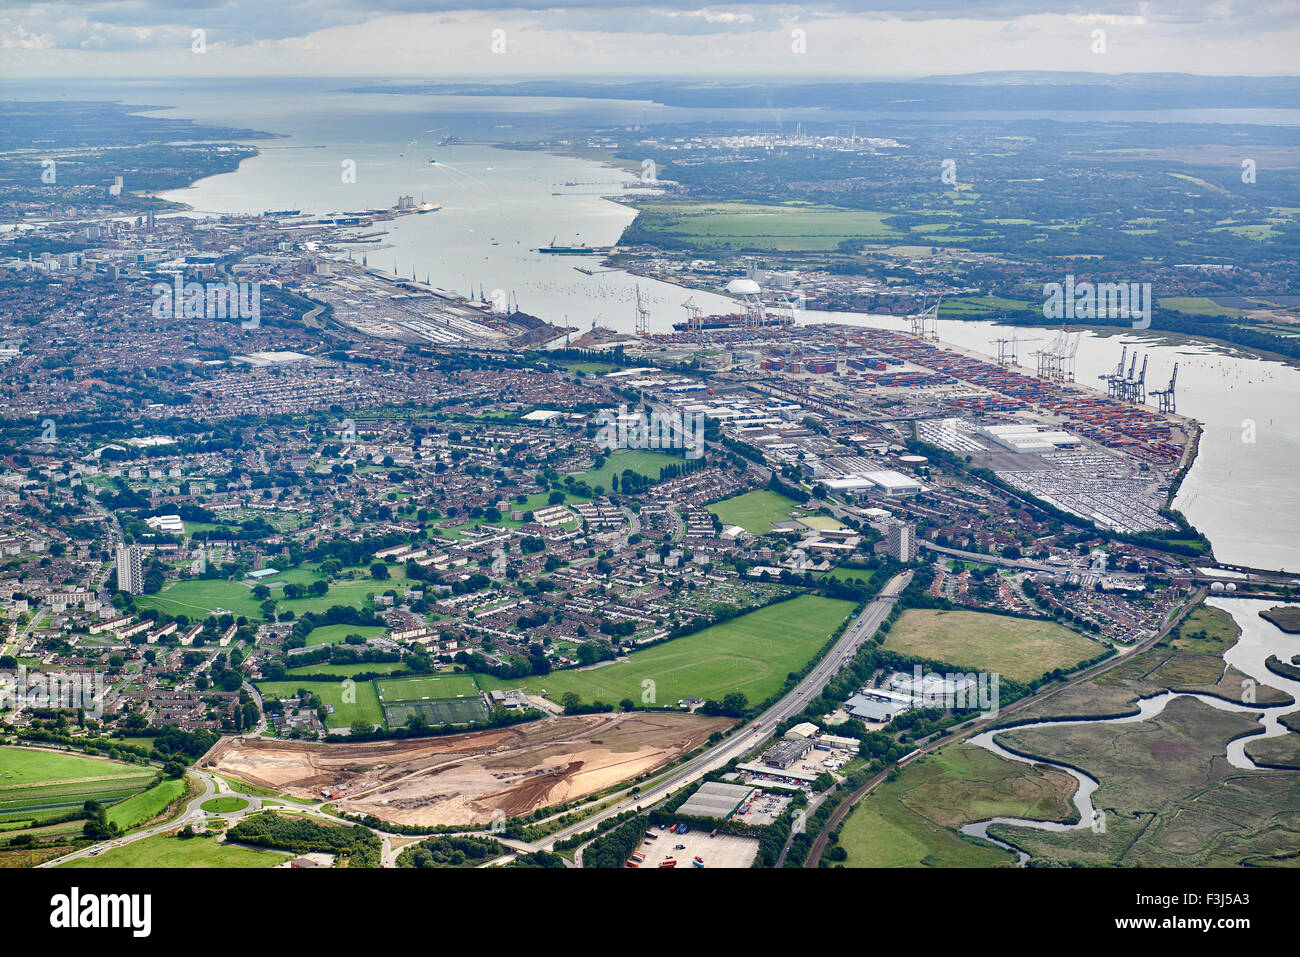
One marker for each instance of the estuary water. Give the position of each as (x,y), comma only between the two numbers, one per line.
(1244,490)
(1259,639)
(500,205)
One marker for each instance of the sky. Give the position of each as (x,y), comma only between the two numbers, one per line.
(439,39)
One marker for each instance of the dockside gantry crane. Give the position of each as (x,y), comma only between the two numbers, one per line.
(642,313)
(1135,389)
(1165,397)
(1113,379)
(925,324)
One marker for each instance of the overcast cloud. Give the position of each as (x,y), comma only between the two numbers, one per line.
(634,39)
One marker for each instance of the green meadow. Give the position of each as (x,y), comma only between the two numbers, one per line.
(751,654)
(754,511)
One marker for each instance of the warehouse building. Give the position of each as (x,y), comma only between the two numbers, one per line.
(1030,438)
(716,800)
(786,752)
(866,482)
(877,705)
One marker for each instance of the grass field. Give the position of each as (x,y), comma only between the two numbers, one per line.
(365,708)
(1206,631)
(821,523)
(164,851)
(754,511)
(200,598)
(599,368)
(963,306)
(646,462)
(1199,305)
(224,805)
(442,686)
(349,592)
(1016,647)
(334,634)
(33,781)
(362,667)
(912,821)
(243,787)
(146,805)
(864,575)
(751,654)
(759,226)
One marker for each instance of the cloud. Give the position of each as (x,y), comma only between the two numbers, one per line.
(243,21)
(653,21)
(16,37)
(377,37)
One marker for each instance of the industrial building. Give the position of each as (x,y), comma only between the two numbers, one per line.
(716,799)
(1030,438)
(805,729)
(878,705)
(170,524)
(862,482)
(786,752)
(930,685)
(764,772)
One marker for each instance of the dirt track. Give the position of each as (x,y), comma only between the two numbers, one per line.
(465,778)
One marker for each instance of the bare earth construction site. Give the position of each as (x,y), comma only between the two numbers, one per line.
(463,779)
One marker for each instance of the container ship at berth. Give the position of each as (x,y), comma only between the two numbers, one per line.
(756,315)
(735,320)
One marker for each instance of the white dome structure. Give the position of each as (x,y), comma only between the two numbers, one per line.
(744,287)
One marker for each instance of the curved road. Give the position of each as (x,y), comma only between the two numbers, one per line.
(212,786)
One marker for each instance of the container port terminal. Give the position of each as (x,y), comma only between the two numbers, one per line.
(1108,458)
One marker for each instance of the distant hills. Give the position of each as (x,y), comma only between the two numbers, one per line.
(1014,90)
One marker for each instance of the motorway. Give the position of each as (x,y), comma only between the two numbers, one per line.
(764,726)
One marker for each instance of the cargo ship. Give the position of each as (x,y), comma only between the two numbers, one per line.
(756,315)
(582,249)
(734,320)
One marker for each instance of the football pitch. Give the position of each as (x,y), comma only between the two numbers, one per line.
(434,686)
(437,711)
(441,699)
(390,702)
